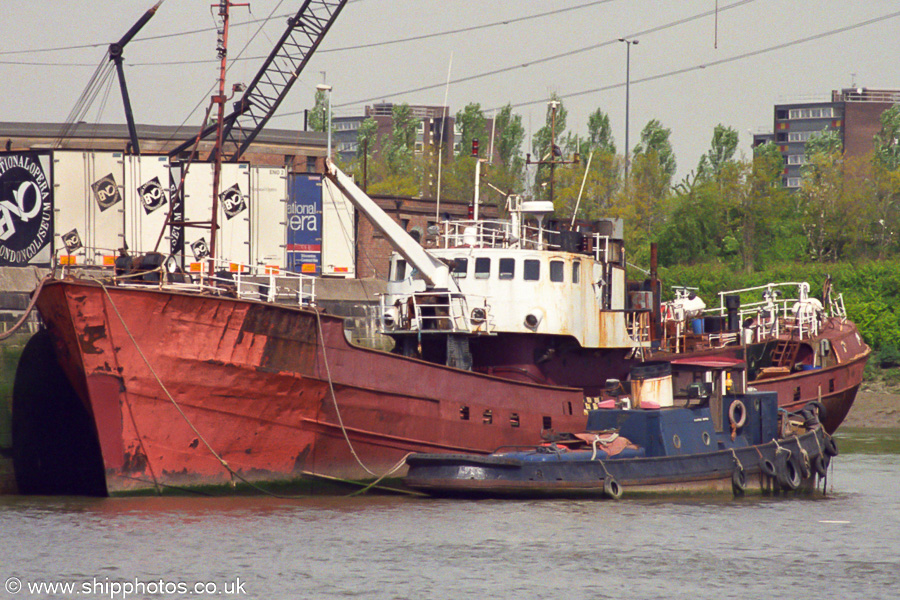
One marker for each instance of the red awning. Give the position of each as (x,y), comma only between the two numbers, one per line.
(709,362)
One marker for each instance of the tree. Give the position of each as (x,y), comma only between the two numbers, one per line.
(887,141)
(652,169)
(510,137)
(722,148)
(826,142)
(829,198)
(600,133)
(318,116)
(655,140)
(398,151)
(366,137)
(885,180)
(471,122)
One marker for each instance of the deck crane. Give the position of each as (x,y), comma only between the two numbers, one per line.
(304,32)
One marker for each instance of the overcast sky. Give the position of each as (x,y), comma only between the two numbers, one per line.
(691,69)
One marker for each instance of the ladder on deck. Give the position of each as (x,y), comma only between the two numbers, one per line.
(785,353)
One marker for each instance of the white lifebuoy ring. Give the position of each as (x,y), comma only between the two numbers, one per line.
(737,407)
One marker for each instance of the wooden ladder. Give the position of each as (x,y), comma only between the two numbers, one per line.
(785,353)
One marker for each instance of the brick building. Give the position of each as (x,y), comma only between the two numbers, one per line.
(415,215)
(855,113)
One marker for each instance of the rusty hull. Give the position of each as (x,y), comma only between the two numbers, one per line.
(171,380)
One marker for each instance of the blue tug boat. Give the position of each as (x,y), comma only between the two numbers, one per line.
(685,426)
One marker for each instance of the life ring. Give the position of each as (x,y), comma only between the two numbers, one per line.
(737,407)
(768,468)
(830,446)
(738,482)
(787,472)
(612,489)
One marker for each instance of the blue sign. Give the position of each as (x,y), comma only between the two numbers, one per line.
(304,223)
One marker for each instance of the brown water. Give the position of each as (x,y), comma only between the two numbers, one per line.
(846,545)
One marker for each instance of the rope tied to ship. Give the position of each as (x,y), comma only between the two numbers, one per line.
(162,385)
(31,303)
(737,461)
(337,411)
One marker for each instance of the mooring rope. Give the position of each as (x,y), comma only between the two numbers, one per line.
(31,303)
(200,436)
(337,408)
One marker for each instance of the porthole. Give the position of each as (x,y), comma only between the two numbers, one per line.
(705,438)
(676,441)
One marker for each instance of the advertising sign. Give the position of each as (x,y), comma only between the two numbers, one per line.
(26,209)
(304,224)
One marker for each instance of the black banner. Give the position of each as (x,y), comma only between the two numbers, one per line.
(26,208)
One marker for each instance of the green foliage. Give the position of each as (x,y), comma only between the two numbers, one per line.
(871,290)
(472,123)
(723,146)
(888,357)
(655,143)
(318,116)
(600,138)
(509,143)
(887,141)
(366,137)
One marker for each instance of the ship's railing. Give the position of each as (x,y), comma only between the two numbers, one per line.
(498,233)
(436,312)
(265,283)
(774,314)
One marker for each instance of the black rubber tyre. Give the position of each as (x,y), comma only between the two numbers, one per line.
(789,477)
(820,464)
(819,408)
(830,446)
(612,489)
(738,482)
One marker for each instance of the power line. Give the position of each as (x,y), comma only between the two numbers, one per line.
(547,59)
(721,61)
(321,51)
(641,80)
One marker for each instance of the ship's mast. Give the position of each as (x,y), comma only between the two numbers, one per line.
(218,101)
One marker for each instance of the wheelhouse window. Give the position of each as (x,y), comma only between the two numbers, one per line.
(482,268)
(576,269)
(557,270)
(399,270)
(532,270)
(460,267)
(507,268)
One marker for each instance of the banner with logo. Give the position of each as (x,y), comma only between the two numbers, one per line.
(304,224)
(26,208)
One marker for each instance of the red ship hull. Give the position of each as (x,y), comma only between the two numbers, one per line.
(174,381)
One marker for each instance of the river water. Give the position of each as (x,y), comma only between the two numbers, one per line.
(843,545)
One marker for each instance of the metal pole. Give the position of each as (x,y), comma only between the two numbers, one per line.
(628,44)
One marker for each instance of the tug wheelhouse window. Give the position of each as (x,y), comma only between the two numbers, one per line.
(576,268)
(482,268)
(557,270)
(460,267)
(507,268)
(532,271)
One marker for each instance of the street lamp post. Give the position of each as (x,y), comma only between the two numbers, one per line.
(628,44)
(324,87)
